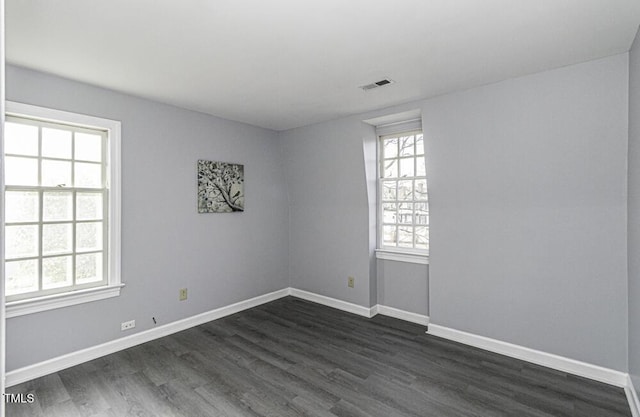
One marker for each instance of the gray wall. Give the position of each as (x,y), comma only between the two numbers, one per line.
(634,213)
(331,177)
(528,205)
(329,209)
(404,286)
(370,156)
(166,244)
(527,193)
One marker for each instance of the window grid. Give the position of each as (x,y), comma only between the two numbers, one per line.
(403,200)
(101,189)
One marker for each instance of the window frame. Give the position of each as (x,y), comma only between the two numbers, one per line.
(400,254)
(112,268)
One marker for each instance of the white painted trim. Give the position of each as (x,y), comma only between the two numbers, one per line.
(572,366)
(56,116)
(401,126)
(374,310)
(389,119)
(115,201)
(50,302)
(597,373)
(402,314)
(414,258)
(632,397)
(360,310)
(334,303)
(75,358)
(114,278)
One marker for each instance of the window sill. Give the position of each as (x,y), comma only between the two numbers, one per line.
(36,305)
(399,256)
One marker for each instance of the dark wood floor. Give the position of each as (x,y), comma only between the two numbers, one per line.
(295,358)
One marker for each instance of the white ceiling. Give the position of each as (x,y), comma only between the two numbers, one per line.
(286,63)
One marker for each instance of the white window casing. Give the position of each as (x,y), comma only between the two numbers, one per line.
(403,213)
(103,230)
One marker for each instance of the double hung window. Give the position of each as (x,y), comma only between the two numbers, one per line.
(403,200)
(61,203)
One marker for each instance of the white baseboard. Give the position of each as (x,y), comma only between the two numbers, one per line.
(572,366)
(402,315)
(560,363)
(75,358)
(361,310)
(632,397)
(333,302)
(59,363)
(358,309)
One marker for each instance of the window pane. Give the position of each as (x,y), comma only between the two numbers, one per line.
(21,277)
(56,272)
(56,143)
(404,216)
(405,237)
(422,213)
(419,144)
(56,173)
(405,190)
(57,206)
(405,213)
(388,190)
(21,171)
(390,168)
(20,139)
(21,241)
(88,147)
(421,169)
(389,213)
(407,147)
(406,167)
(390,147)
(21,206)
(89,268)
(389,236)
(88,206)
(422,237)
(88,175)
(89,236)
(421,190)
(56,238)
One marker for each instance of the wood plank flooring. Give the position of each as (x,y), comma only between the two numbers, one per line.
(295,358)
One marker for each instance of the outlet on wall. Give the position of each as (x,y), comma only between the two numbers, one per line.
(351,282)
(183,294)
(127,325)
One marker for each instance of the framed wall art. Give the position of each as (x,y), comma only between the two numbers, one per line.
(220,187)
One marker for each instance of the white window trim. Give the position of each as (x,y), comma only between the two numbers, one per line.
(403,256)
(395,254)
(114,280)
(50,302)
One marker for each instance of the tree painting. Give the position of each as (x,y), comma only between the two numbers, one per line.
(220,187)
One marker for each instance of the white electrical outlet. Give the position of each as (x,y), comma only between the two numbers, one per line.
(127,325)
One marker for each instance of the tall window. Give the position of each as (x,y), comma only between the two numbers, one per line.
(404,208)
(59,218)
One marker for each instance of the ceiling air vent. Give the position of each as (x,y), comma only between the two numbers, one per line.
(377,84)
